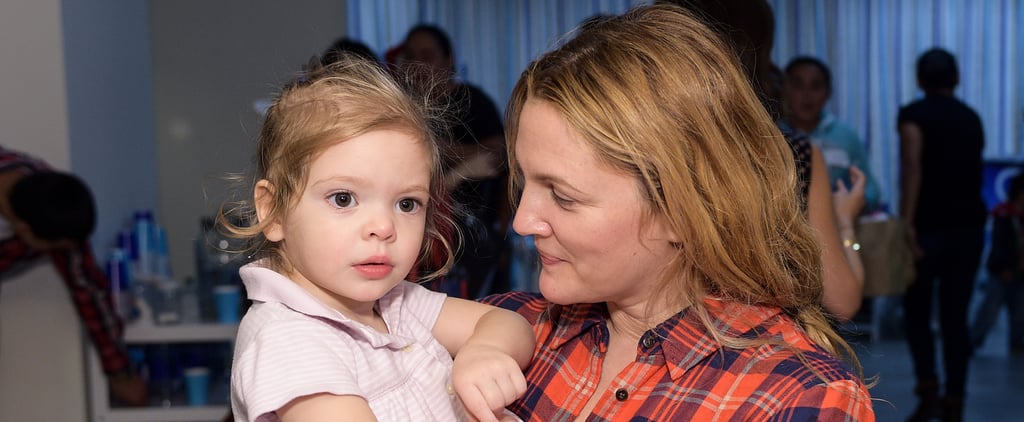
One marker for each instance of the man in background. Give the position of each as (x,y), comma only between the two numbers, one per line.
(43,213)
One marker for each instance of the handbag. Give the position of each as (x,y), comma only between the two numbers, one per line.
(888,262)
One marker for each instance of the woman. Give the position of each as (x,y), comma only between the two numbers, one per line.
(807,87)
(680,279)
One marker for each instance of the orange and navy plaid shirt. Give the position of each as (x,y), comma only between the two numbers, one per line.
(680,372)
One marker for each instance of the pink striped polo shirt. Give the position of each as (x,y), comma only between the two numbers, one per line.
(290,345)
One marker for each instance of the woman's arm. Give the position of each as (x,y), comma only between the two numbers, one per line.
(848,203)
(843,288)
(491,347)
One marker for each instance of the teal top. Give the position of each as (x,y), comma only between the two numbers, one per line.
(842,147)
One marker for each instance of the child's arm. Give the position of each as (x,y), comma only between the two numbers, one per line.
(327,407)
(491,347)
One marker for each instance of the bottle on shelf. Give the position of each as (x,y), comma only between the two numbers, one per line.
(218,258)
(143,243)
(119,274)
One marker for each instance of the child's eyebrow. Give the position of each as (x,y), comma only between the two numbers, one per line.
(363,181)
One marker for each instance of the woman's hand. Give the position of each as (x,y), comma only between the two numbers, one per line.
(486,380)
(849,201)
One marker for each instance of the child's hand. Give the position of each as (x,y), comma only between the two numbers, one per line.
(486,380)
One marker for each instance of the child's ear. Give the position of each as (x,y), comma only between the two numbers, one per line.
(263,196)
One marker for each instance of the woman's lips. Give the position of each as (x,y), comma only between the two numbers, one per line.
(548,259)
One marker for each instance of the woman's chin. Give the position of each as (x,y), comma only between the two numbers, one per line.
(556,292)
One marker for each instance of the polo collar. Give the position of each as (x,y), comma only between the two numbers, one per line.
(266,285)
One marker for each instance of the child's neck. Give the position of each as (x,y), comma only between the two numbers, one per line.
(373,320)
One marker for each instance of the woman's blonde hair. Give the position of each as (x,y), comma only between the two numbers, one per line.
(655,94)
(327,105)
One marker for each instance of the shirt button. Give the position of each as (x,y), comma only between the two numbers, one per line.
(649,341)
(621,394)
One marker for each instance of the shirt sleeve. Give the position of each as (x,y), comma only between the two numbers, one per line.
(13,254)
(530,305)
(906,115)
(844,400)
(287,360)
(90,292)
(421,304)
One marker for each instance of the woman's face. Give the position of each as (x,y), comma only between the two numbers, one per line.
(585,217)
(806,92)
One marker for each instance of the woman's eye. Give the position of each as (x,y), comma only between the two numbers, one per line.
(408,205)
(561,200)
(343,199)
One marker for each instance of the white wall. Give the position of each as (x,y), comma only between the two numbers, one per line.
(110,103)
(33,107)
(41,366)
(211,60)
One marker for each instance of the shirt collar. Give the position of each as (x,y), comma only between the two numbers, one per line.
(574,320)
(826,122)
(684,340)
(265,285)
(824,125)
(687,342)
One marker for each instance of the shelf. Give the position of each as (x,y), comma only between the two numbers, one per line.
(179,333)
(167,414)
(138,333)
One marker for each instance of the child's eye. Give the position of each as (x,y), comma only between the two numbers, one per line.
(408,205)
(343,199)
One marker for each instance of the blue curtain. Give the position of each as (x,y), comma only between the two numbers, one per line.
(493,40)
(871,46)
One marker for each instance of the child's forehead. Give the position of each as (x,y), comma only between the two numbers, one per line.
(376,153)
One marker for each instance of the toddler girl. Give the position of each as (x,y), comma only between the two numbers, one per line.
(346,204)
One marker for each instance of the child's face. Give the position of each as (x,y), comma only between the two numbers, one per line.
(357,229)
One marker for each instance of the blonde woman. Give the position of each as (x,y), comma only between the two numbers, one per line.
(680,279)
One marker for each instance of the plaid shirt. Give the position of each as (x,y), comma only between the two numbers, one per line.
(680,373)
(87,283)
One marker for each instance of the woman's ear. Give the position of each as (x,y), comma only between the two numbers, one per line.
(659,228)
(263,197)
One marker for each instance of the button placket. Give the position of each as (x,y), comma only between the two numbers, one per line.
(649,341)
(621,394)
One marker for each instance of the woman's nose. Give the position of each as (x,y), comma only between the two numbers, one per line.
(528,220)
